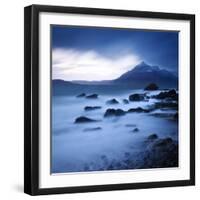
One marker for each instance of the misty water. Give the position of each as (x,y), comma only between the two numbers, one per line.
(76,149)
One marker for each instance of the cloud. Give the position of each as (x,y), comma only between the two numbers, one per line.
(72,64)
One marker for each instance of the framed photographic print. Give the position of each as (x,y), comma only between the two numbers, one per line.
(109,100)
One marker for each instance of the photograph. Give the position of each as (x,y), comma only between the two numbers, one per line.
(114,99)
(109,99)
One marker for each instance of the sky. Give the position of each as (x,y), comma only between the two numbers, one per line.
(94,54)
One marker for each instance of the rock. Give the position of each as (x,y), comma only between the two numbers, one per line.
(92,129)
(136,97)
(81,95)
(92,96)
(135,130)
(163,142)
(112,101)
(83,119)
(89,108)
(160,105)
(138,110)
(125,101)
(114,112)
(161,153)
(171,94)
(152,137)
(151,86)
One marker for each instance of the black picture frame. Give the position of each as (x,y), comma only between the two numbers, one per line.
(31,99)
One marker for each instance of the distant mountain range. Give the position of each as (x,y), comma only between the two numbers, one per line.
(143,74)
(139,77)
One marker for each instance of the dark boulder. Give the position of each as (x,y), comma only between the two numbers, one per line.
(81,95)
(92,129)
(138,110)
(89,108)
(171,94)
(163,142)
(125,101)
(161,153)
(83,119)
(161,105)
(92,96)
(112,101)
(135,130)
(136,97)
(152,137)
(114,112)
(151,86)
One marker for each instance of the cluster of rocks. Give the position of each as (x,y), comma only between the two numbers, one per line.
(161,152)
(91,96)
(83,119)
(119,112)
(156,153)
(168,95)
(115,101)
(137,97)
(168,100)
(114,112)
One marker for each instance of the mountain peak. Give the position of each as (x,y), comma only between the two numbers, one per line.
(143,64)
(144,67)
(144,73)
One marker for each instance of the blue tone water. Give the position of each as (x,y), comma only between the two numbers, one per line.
(75,150)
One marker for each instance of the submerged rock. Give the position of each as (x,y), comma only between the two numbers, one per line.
(114,112)
(171,94)
(92,96)
(160,105)
(136,97)
(92,129)
(152,137)
(138,110)
(162,142)
(81,95)
(125,101)
(83,119)
(151,86)
(89,108)
(135,130)
(112,101)
(162,153)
